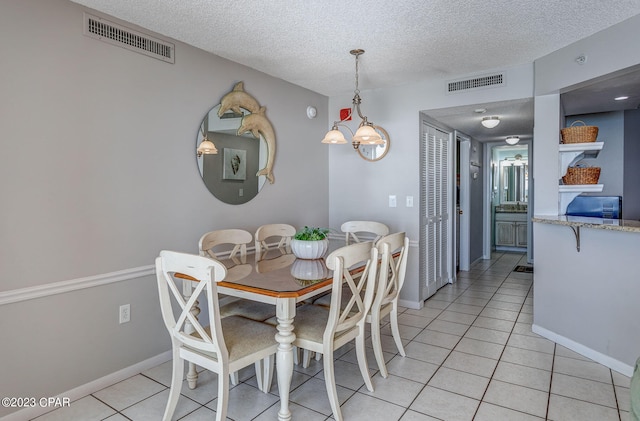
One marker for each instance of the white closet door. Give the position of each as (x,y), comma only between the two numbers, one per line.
(436,242)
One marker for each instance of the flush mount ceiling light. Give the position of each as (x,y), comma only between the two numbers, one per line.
(490,122)
(512,140)
(367,133)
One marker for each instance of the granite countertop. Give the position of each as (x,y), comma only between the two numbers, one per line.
(626,225)
(511,208)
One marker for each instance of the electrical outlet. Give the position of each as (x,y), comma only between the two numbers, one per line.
(125,313)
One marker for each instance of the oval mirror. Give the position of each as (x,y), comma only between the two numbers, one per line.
(235,170)
(230,174)
(375,152)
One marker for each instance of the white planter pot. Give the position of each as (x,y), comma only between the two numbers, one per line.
(309,270)
(309,249)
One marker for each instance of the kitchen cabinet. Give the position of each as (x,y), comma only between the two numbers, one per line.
(511,229)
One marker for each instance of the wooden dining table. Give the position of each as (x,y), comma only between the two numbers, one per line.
(277,277)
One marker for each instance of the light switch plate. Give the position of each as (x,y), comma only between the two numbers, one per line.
(409,201)
(392,201)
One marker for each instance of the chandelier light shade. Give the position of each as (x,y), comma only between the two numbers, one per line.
(367,133)
(512,140)
(490,122)
(334,136)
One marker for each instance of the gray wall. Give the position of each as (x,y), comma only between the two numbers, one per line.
(568,282)
(631,196)
(360,189)
(611,157)
(99,174)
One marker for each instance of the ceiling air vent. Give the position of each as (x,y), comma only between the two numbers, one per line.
(476,82)
(127,38)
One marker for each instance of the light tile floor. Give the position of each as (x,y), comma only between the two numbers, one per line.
(471,355)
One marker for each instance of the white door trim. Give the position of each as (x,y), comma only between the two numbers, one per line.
(464,145)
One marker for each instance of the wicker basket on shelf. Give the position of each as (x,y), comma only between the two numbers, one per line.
(581,175)
(579,134)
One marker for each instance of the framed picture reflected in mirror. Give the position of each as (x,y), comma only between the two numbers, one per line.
(235,164)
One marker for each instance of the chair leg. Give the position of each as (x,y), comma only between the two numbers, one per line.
(306,357)
(330,383)
(377,345)
(296,355)
(223,394)
(234,378)
(395,330)
(269,366)
(264,373)
(176,385)
(259,374)
(361,353)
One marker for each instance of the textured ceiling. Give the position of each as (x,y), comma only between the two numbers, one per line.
(307,42)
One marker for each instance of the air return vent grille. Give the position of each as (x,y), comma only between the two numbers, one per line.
(127,38)
(477,82)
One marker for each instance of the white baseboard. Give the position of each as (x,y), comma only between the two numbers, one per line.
(415,305)
(477,260)
(92,387)
(596,356)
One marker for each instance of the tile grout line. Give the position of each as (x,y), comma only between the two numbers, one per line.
(500,358)
(461,337)
(553,363)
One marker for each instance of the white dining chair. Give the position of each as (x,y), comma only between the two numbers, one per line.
(385,302)
(354,228)
(373,230)
(232,243)
(223,346)
(282,233)
(323,330)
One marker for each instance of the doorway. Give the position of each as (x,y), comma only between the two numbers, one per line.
(507,211)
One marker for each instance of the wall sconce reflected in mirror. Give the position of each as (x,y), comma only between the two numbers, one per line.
(206,147)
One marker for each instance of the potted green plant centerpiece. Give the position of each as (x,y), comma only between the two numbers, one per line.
(310,243)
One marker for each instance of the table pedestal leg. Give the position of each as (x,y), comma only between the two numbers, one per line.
(285,312)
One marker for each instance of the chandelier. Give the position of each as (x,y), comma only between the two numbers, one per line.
(366,133)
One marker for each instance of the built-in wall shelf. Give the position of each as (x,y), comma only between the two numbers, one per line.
(569,192)
(570,154)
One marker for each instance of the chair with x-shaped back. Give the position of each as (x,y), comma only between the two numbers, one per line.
(324,329)
(223,346)
(393,249)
